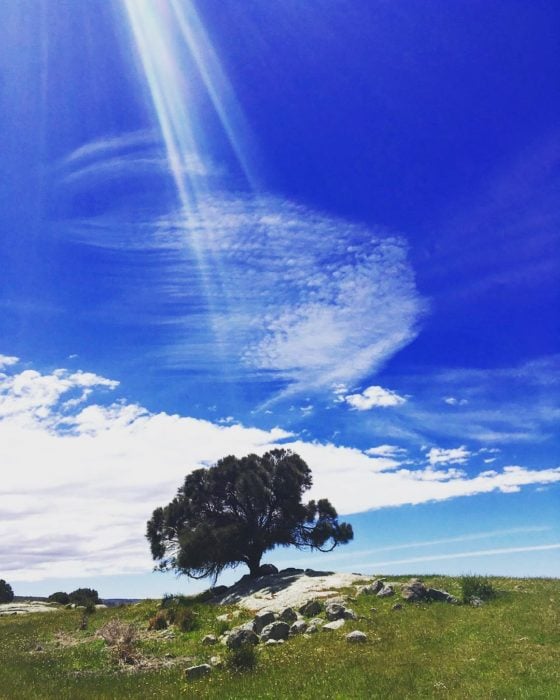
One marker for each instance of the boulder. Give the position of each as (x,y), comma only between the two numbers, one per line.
(476,602)
(267,570)
(334,625)
(273,642)
(386,591)
(288,615)
(298,627)
(239,636)
(312,629)
(349,614)
(209,639)
(262,619)
(356,637)
(276,630)
(334,611)
(414,591)
(441,596)
(372,588)
(197,671)
(311,608)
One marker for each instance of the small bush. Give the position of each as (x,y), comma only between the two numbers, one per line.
(122,638)
(158,621)
(178,611)
(6,592)
(185,619)
(59,597)
(244,658)
(220,627)
(476,587)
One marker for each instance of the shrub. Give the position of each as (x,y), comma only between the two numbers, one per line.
(6,592)
(243,658)
(158,621)
(122,638)
(185,619)
(178,611)
(81,596)
(59,597)
(476,587)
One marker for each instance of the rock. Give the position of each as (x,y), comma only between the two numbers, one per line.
(197,671)
(441,596)
(100,606)
(311,629)
(209,639)
(298,627)
(334,611)
(216,661)
(373,588)
(223,618)
(267,570)
(273,642)
(414,591)
(288,615)
(356,637)
(373,610)
(349,614)
(386,591)
(291,571)
(276,630)
(312,572)
(335,625)
(476,602)
(239,636)
(317,622)
(397,606)
(311,608)
(262,619)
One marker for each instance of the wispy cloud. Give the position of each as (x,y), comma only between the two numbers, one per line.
(457,455)
(60,460)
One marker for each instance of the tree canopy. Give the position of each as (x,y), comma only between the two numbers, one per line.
(6,592)
(234,511)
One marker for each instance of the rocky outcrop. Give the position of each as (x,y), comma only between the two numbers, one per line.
(240,636)
(276,630)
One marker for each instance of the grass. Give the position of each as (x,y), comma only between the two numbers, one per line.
(508,648)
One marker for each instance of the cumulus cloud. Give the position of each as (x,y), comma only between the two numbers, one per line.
(95,472)
(374,397)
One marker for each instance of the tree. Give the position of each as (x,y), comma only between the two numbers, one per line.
(59,597)
(83,596)
(238,509)
(6,592)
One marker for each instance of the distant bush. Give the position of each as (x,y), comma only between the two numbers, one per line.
(158,621)
(59,597)
(83,596)
(178,611)
(476,587)
(6,592)
(243,658)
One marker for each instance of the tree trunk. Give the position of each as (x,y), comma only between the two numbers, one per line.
(254,564)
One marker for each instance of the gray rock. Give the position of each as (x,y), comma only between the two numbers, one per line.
(267,570)
(372,588)
(298,627)
(441,596)
(198,671)
(335,625)
(262,619)
(239,636)
(312,572)
(349,614)
(216,661)
(288,615)
(316,621)
(276,630)
(273,642)
(334,611)
(356,637)
(397,606)
(311,608)
(209,639)
(386,591)
(414,591)
(223,618)
(476,602)
(311,629)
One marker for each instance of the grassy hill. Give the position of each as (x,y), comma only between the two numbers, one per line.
(508,648)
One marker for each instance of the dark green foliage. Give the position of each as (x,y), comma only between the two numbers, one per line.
(59,597)
(243,658)
(238,509)
(83,596)
(6,592)
(178,611)
(476,587)
(158,621)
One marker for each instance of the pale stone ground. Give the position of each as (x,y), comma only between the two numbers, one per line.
(280,591)
(26,608)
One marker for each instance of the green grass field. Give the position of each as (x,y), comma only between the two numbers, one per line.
(509,648)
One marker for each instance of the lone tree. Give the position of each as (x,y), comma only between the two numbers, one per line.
(6,592)
(238,509)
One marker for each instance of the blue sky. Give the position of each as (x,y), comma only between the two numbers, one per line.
(328,225)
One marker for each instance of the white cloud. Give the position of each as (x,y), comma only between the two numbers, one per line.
(374,397)
(457,455)
(8,360)
(78,485)
(385,451)
(452,401)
